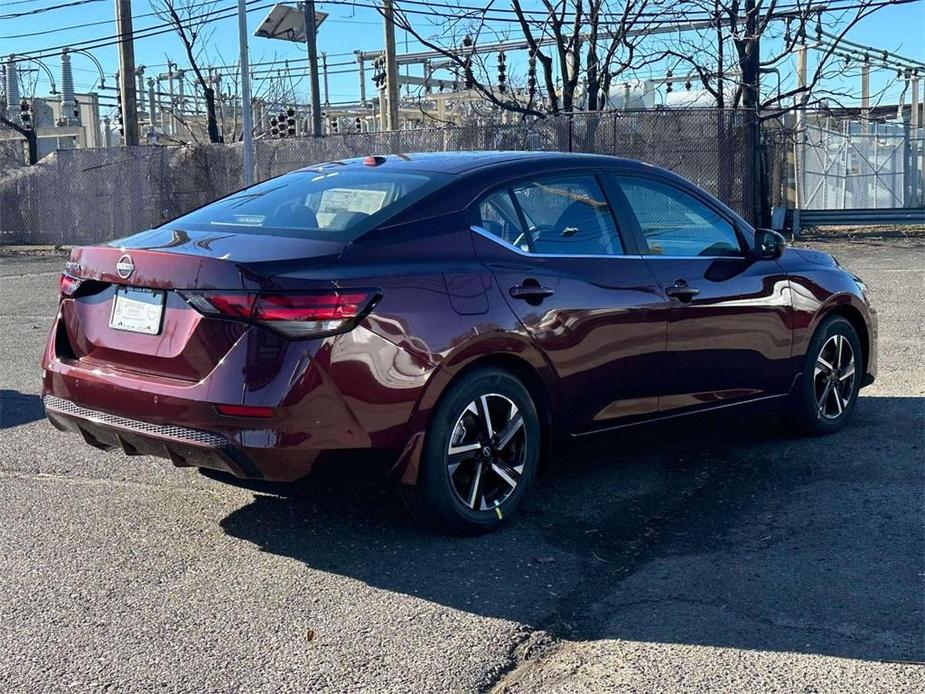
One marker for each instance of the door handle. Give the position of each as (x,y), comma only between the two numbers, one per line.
(682,291)
(531,292)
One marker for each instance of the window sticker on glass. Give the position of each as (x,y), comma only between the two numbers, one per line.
(249,219)
(335,200)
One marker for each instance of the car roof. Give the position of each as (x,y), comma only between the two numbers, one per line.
(464,162)
(471,173)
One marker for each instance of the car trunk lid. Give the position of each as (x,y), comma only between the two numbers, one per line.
(187,344)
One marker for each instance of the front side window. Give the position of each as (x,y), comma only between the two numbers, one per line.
(565,215)
(336,204)
(674,223)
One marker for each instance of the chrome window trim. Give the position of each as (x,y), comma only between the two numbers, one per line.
(696,257)
(511,247)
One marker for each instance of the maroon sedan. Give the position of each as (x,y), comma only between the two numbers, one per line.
(458,311)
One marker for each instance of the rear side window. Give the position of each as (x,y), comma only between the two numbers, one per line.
(674,223)
(335,204)
(563,215)
(499,217)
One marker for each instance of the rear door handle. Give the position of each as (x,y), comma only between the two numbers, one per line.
(682,291)
(531,292)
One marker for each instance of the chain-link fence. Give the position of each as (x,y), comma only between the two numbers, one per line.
(715,149)
(824,160)
(84,196)
(80,196)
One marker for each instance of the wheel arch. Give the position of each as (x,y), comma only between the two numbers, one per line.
(524,371)
(518,357)
(847,310)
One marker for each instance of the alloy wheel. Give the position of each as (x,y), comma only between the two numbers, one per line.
(833,377)
(487,451)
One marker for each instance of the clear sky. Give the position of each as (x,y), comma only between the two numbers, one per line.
(899,28)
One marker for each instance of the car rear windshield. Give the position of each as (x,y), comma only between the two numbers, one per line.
(336,204)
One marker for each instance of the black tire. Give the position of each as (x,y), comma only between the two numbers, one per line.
(437,499)
(804,411)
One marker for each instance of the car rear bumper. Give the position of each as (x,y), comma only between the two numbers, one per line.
(183,446)
(332,397)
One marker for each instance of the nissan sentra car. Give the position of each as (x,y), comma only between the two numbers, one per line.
(458,312)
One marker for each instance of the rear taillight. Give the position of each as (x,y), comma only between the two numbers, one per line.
(68,286)
(230,305)
(294,314)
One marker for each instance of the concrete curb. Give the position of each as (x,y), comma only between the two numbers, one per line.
(34,250)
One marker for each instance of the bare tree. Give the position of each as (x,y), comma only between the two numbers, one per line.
(575,49)
(29,134)
(189,18)
(750,38)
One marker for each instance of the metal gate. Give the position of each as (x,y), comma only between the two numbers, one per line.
(859,165)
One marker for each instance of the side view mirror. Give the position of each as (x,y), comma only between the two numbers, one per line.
(769,245)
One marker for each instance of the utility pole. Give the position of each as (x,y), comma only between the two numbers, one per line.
(391,68)
(247,122)
(127,71)
(915,122)
(140,74)
(324,70)
(799,144)
(801,81)
(361,65)
(153,108)
(865,94)
(311,43)
(172,120)
(916,142)
(181,100)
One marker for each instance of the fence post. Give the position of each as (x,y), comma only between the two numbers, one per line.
(614,121)
(760,204)
(907,165)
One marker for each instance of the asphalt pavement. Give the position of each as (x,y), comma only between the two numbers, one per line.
(717,554)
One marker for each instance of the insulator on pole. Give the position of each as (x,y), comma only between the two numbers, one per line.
(68,101)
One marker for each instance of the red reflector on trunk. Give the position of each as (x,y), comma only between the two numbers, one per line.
(245,411)
(68,285)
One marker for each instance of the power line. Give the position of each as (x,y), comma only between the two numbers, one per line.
(50,8)
(145,32)
(225,13)
(18,2)
(167,27)
(102,22)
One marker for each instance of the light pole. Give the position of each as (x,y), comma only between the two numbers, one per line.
(246,116)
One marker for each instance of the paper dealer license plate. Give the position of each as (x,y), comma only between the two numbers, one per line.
(137,310)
